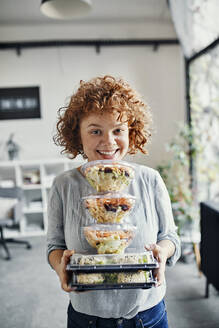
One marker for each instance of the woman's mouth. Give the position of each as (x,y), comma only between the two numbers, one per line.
(107,154)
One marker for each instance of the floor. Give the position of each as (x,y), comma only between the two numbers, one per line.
(187,306)
(31,296)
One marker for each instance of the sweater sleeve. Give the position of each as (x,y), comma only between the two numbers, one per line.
(167,227)
(55,233)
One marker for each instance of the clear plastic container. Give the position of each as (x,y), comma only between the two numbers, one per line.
(107,175)
(113,280)
(109,207)
(108,262)
(114,277)
(109,239)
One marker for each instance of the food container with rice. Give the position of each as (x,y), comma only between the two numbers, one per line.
(112,271)
(108,175)
(115,262)
(109,207)
(109,239)
(113,280)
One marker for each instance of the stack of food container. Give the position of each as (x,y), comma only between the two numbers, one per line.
(111,234)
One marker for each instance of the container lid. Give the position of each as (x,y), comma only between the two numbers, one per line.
(110,228)
(111,259)
(107,163)
(112,262)
(109,195)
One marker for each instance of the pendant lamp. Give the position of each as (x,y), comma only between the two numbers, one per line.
(65,9)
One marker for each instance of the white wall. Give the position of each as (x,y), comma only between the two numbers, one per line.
(158,76)
(100,29)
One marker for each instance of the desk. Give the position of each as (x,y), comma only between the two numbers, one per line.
(209,244)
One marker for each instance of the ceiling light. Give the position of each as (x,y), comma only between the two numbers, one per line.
(65,9)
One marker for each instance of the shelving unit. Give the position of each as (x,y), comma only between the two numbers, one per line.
(35,178)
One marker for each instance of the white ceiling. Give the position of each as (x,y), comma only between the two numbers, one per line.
(27,12)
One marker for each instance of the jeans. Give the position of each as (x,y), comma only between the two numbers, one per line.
(155,317)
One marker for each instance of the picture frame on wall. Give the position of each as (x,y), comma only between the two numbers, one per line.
(20,103)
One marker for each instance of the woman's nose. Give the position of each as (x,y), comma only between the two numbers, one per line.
(108,138)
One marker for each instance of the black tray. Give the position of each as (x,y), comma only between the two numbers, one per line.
(113,267)
(106,285)
(141,285)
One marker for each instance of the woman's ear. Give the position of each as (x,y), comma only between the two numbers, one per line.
(80,146)
(81,150)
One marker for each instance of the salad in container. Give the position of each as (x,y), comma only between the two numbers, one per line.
(108,175)
(109,207)
(109,239)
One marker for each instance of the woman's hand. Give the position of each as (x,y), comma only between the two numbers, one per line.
(59,259)
(161,254)
(62,272)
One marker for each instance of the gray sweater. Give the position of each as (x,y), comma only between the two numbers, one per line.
(152,216)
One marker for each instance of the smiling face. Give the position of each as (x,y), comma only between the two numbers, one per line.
(103,136)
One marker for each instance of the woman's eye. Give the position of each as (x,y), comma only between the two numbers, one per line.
(95,132)
(117,131)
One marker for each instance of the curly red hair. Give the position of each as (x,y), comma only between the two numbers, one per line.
(99,95)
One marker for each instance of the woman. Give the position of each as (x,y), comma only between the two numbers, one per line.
(105,120)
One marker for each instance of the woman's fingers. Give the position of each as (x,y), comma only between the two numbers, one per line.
(66,256)
(159,276)
(155,249)
(64,274)
(161,258)
(65,286)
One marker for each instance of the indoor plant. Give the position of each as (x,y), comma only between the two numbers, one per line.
(177,174)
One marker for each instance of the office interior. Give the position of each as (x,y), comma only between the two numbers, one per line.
(169,52)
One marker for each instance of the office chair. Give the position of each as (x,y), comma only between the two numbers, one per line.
(13,221)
